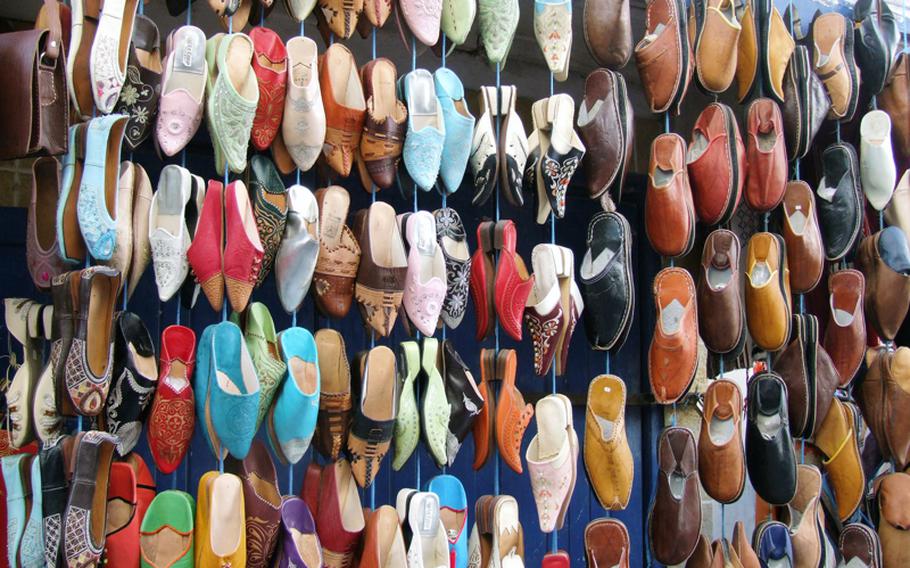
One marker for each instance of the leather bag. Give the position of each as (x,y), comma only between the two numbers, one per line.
(810,377)
(35,113)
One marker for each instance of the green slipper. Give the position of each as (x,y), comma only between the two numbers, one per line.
(407,424)
(262,343)
(498,22)
(457,19)
(435,405)
(166,535)
(231,103)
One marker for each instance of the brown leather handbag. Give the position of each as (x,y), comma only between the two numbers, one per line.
(810,377)
(34,109)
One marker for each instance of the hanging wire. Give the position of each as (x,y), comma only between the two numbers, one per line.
(495,318)
(444,49)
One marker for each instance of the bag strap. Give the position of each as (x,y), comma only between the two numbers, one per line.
(52,48)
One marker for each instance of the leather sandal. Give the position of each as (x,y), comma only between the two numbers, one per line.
(513,282)
(483,279)
(512,414)
(86,512)
(339,254)
(483,429)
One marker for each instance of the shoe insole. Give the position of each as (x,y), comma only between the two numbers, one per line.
(586,115)
(721,430)
(545,281)
(453,520)
(506,524)
(423,518)
(379,387)
(144,364)
(46,196)
(238,58)
(552,423)
(242,199)
(823,38)
(677,483)
(171,200)
(226,522)
(422,101)
(761,274)
(303,54)
(100,313)
(307,546)
(779,563)
(334,376)
(150,60)
(767,138)
(335,204)
(119,514)
(649,38)
(304,373)
(560,113)
(768,425)
(841,316)
(396,553)
(697,147)
(343,76)
(276,66)
(798,220)
(177,378)
(671,316)
(718,279)
(386,245)
(591,268)
(187,63)
(112,170)
(164,547)
(457,250)
(385,102)
(662,177)
(99,498)
(348,498)
(91,13)
(425,243)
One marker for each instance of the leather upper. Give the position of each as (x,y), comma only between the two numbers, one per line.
(766,155)
(840,201)
(887,296)
(876,39)
(607,543)
(895,100)
(675,517)
(664,56)
(607,281)
(805,105)
(673,353)
(669,211)
(605,126)
(608,32)
(770,457)
(716,163)
(845,334)
(883,395)
(767,283)
(719,293)
(810,377)
(802,236)
(721,455)
(608,458)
